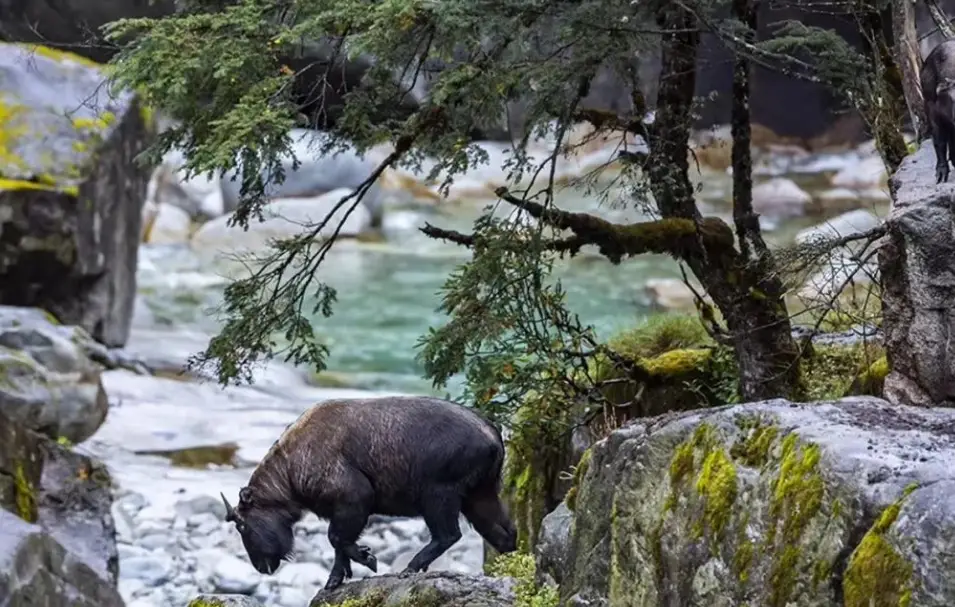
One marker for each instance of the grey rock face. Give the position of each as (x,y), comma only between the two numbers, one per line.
(36,570)
(772,503)
(918,270)
(71,196)
(65,499)
(49,382)
(551,549)
(433,588)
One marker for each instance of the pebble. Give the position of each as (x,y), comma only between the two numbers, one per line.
(152,569)
(301,574)
(232,575)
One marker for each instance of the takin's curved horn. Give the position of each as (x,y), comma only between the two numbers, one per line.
(229,510)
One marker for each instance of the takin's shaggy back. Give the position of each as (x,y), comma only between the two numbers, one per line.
(347,459)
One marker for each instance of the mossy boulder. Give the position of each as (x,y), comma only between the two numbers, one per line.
(48,381)
(432,589)
(71,191)
(774,504)
(35,569)
(65,499)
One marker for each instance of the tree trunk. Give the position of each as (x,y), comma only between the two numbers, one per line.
(741,283)
(885,111)
(909,60)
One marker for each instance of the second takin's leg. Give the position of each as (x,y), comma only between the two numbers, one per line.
(441,509)
(345,526)
(941,140)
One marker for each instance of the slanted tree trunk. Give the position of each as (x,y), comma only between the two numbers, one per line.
(885,111)
(741,282)
(909,60)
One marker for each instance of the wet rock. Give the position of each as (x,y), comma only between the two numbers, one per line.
(36,570)
(780,197)
(917,263)
(436,588)
(285,218)
(301,574)
(845,502)
(152,569)
(840,266)
(318,173)
(72,192)
(863,175)
(198,196)
(233,575)
(846,224)
(669,293)
(167,225)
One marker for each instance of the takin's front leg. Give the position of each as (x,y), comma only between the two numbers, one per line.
(943,141)
(347,522)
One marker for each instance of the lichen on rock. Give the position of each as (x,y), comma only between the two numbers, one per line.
(761,504)
(71,189)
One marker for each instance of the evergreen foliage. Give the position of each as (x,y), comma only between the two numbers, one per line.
(219,67)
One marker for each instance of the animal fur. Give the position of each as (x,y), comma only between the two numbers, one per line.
(938,90)
(348,459)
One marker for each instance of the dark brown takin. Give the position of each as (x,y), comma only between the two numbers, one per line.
(347,459)
(938,90)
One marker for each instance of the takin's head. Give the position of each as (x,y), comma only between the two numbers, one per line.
(266,530)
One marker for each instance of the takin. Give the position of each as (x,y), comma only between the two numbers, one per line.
(347,459)
(938,90)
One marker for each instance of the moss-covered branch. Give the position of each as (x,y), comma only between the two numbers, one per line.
(677,237)
(570,245)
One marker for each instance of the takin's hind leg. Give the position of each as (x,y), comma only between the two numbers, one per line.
(485,511)
(441,510)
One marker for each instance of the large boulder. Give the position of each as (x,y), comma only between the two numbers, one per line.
(57,536)
(917,264)
(285,218)
(48,381)
(36,570)
(71,192)
(774,504)
(434,589)
(319,171)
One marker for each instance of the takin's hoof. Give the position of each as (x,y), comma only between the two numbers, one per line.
(941,174)
(367,559)
(334,581)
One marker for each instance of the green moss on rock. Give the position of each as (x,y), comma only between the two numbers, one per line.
(25,495)
(579,471)
(877,575)
(735,514)
(523,568)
